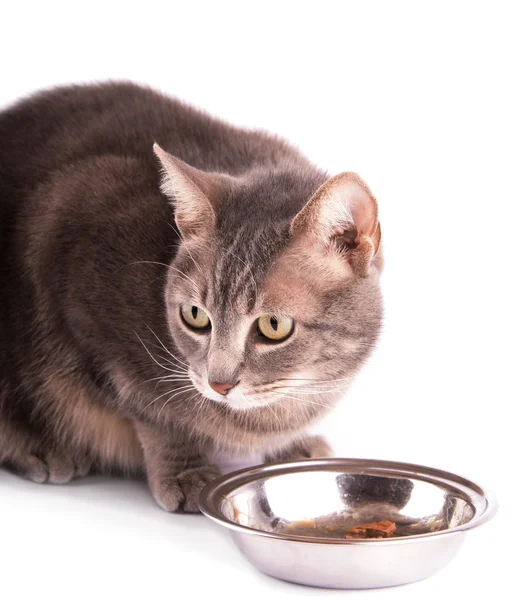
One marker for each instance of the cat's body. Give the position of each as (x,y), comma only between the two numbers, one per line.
(92,264)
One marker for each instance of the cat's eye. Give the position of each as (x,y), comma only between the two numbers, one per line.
(275,328)
(195,317)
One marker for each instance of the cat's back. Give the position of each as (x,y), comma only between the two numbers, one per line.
(54,128)
(55,132)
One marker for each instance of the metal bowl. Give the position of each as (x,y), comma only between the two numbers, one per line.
(290,519)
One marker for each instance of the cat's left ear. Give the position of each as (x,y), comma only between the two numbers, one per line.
(193,193)
(343,214)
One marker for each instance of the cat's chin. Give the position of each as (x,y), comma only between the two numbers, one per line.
(237,403)
(240,406)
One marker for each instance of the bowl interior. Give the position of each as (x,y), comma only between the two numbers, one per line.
(329,503)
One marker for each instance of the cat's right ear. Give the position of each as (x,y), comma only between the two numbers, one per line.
(343,215)
(192,192)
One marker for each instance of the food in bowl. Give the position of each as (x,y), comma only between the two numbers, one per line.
(333,527)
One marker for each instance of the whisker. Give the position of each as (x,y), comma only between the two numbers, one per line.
(153,262)
(272,412)
(183,243)
(179,391)
(151,355)
(166,349)
(310,380)
(308,402)
(195,285)
(306,388)
(281,406)
(165,379)
(178,367)
(191,398)
(180,373)
(137,262)
(200,403)
(310,392)
(302,389)
(176,371)
(289,411)
(168,392)
(302,400)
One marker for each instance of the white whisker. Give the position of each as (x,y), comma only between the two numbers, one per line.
(287,410)
(141,262)
(200,403)
(195,285)
(166,379)
(177,391)
(312,381)
(309,392)
(183,243)
(302,400)
(272,412)
(151,355)
(166,349)
(168,392)
(178,368)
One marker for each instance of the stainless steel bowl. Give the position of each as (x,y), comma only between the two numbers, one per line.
(290,519)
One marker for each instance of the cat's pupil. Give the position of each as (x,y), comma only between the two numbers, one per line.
(274,323)
(194,311)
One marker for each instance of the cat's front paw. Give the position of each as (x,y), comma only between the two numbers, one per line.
(314,446)
(49,467)
(180,493)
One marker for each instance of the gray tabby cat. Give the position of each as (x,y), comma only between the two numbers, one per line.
(217,293)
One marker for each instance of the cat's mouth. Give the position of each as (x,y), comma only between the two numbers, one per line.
(237,398)
(307,393)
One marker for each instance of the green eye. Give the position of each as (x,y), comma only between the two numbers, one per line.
(275,328)
(194,317)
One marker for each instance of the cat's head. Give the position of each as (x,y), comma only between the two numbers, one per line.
(273,296)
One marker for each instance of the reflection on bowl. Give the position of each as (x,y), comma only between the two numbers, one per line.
(293,520)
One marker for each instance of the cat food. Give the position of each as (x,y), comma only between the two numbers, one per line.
(380,529)
(332,528)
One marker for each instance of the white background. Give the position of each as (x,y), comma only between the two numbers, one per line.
(415,97)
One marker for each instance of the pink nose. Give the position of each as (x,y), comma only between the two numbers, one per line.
(221,388)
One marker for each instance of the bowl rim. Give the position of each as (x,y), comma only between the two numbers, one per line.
(214,492)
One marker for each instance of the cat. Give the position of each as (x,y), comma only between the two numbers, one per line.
(171,286)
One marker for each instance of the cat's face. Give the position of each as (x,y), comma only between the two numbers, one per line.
(261,304)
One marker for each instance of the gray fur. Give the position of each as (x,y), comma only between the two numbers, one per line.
(94,269)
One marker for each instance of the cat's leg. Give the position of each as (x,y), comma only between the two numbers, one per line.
(314,446)
(176,468)
(25,455)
